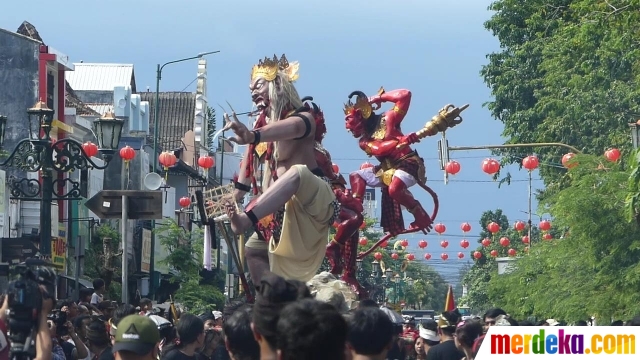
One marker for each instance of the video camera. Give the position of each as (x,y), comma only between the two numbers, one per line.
(25,303)
(59,319)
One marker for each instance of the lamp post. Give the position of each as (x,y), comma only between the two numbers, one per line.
(39,153)
(635,133)
(152,285)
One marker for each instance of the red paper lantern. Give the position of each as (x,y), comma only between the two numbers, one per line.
(336,169)
(547,236)
(490,166)
(394,256)
(366,165)
(464,243)
(494,253)
(486,242)
(525,239)
(460,255)
(444,256)
(184,201)
(530,162)
(477,254)
(452,167)
(444,243)
(363,225)
(566,160)
(493,227)
(411,257)
(384,244)
(404,242)
(612,155)
(90,149)
(206,162)
(363,241)
(127,153)
(440,228)
(167,159)
(512,252)
(545,225)
(504,241)
(465,227)
(519,225)
(377,256)
(427,256)
(422,244)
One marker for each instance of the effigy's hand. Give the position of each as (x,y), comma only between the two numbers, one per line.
(407,140)
(243,135)
(375,102)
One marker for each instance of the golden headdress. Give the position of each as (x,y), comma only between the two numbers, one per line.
(268,68)
(362,104)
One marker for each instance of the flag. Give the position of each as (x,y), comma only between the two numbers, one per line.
(450,302)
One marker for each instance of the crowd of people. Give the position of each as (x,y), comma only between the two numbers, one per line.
(284,323)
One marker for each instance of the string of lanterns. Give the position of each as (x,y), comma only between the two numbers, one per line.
(491,166)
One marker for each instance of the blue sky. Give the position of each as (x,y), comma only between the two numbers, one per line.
(433,48)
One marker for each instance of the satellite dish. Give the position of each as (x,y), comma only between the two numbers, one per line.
(152,181)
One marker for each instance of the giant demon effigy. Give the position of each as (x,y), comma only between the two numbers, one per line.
(400,167)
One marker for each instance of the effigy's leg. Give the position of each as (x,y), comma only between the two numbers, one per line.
(268,203)
(399,191)
(257,258)
(258,264)
(350,257)
(350,221)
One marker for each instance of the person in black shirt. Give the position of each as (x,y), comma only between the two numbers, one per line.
(191,336)
(447,349)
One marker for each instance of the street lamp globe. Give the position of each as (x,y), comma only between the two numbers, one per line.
(108,130)
(3,127)
(389,272)
(40,117)
(410,282)
(396,278)
(376,266)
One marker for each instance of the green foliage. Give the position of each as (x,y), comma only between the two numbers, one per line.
(103,260)
(594,269)
(485,269)
(567,71)
(185,249)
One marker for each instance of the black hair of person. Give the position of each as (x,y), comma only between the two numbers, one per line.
(239,336)
(311,330)
(370,331)
(274,294)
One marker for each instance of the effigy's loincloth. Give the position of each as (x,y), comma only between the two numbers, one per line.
(391,218)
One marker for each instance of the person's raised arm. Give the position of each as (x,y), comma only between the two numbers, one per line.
(44,344)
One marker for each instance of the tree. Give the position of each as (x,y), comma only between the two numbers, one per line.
(486,268)
(564,74)
(185,249)
(211,127)
(593,270)
(103,260)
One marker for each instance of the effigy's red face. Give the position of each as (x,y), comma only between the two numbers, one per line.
(259,88)
(355,123)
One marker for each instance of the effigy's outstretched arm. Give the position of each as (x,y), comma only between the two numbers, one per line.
(447,117)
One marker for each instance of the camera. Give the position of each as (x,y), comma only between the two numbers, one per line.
(25,304)
(59,319)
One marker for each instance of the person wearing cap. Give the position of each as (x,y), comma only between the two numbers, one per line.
(218,319)
(137,337)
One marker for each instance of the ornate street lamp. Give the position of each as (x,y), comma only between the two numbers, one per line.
(39,153)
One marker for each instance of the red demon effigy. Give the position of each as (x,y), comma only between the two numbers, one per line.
(400,166)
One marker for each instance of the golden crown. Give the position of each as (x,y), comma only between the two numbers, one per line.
(362,104)
(268,68)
